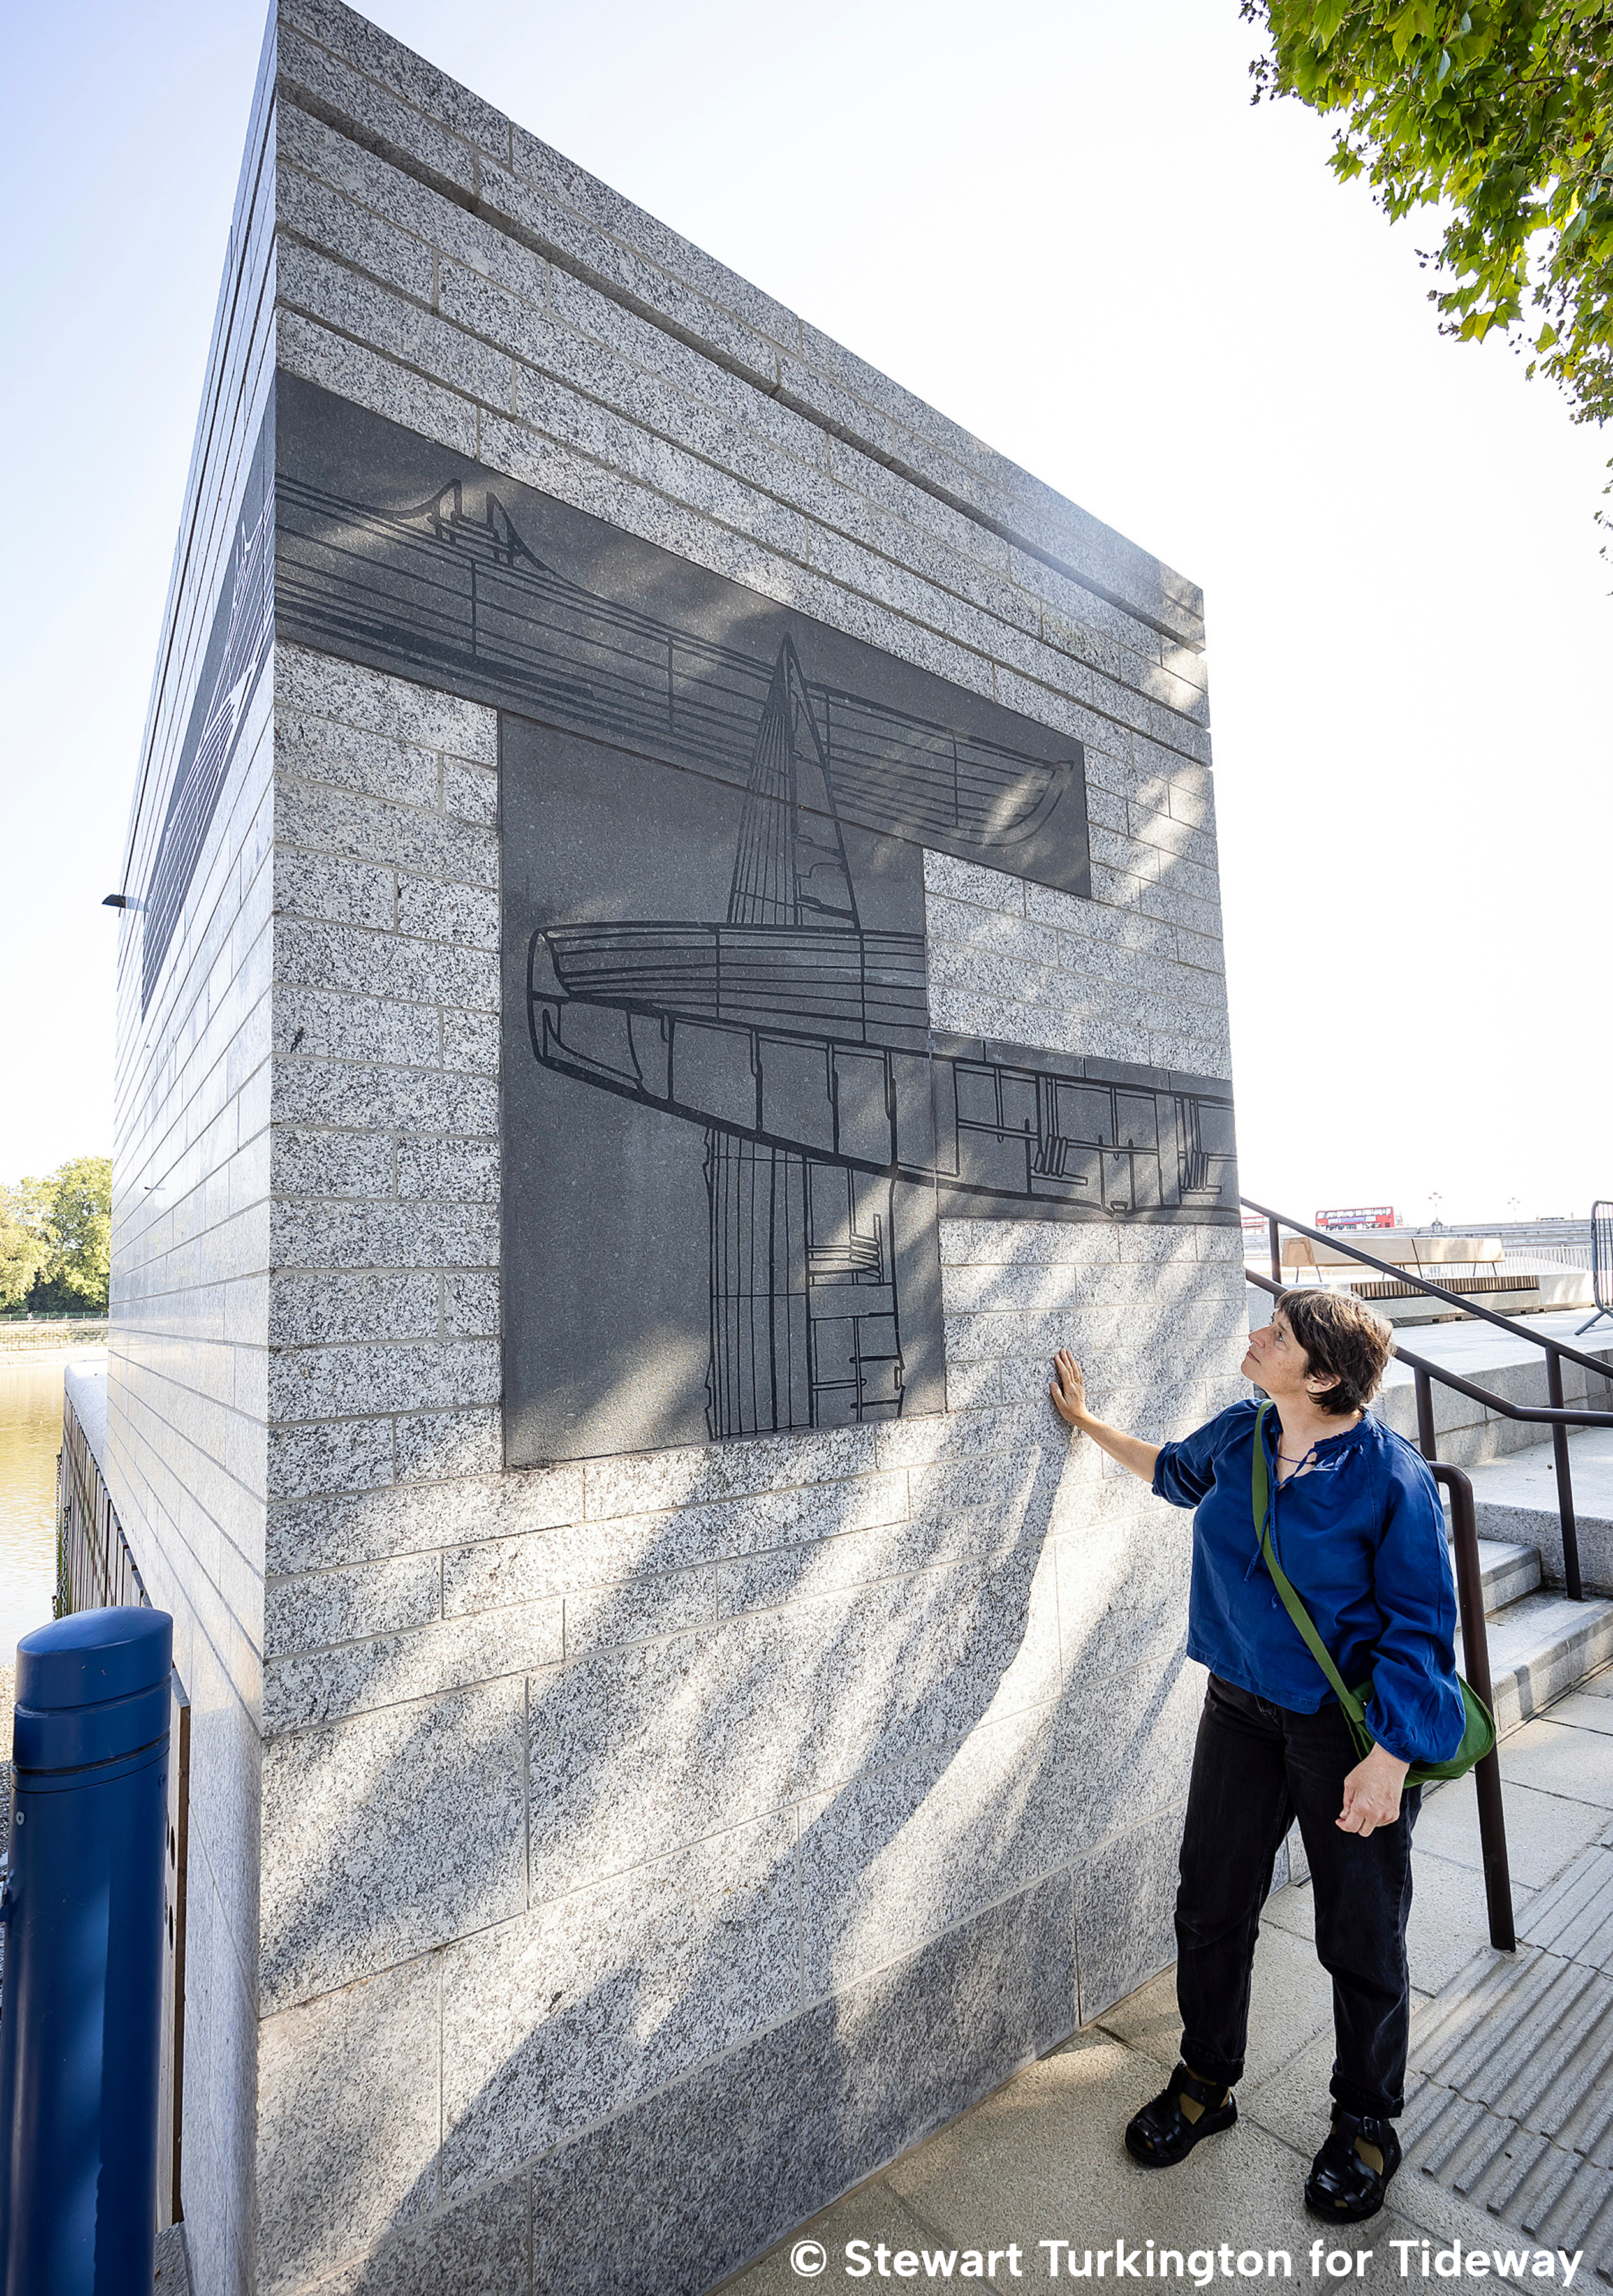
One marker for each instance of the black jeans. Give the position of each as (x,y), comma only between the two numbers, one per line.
(1255,1767)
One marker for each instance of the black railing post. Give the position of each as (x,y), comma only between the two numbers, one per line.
(1475,1664)
(1276,1244)
(1425,1415)
(1565,1487)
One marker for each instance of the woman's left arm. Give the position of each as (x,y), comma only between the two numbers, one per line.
(1415,1712)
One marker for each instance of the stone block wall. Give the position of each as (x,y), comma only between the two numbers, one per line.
(650,1846)
(187,1406)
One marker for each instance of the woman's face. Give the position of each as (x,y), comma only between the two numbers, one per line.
(1277,1362)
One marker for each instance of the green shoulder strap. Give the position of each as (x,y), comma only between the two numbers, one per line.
(1261,1496)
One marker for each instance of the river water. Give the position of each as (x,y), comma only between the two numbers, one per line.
(30,1436)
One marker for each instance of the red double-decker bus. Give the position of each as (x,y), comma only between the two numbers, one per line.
(1362,1216)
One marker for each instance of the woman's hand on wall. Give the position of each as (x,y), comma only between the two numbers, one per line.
(1371,1792)
(1067,1389)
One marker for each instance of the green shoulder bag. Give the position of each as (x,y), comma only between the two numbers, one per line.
(1479,1735)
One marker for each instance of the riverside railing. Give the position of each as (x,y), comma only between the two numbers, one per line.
(95,1568)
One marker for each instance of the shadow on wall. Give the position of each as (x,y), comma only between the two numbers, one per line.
(752,1908)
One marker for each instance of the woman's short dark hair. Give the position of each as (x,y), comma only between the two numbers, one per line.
(1342,1339)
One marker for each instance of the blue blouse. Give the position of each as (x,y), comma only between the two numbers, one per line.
(1362,1537)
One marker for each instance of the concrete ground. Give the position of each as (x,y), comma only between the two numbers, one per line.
(1042,2158)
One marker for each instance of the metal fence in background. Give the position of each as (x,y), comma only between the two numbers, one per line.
(1559,1243)
(88,1316)
(1601,1261)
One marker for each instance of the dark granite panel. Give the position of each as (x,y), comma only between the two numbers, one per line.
(671,2197)
(702,1006)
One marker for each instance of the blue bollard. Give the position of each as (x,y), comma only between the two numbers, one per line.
(80,2026)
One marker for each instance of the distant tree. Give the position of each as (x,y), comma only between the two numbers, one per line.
(55,1240)
(81,1232)
(1504,114)
(25,1248)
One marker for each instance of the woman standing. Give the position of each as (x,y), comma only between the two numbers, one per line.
(1355,1519)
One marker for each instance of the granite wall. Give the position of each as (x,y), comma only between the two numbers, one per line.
(608,1861)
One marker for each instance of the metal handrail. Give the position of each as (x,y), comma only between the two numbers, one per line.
(1557,1415)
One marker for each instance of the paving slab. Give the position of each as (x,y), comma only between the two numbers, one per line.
(1545,1832)
(1043,2160)
(1450,1920)
(874,2212)
(1292,1909)
(1473,1347)
(1291,2002)
(1450,1917)
(1557,1756)
(1293,2106)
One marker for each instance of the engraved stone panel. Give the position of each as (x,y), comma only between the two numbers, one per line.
(729,1127)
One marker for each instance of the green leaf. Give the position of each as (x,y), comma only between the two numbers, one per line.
(1499,113)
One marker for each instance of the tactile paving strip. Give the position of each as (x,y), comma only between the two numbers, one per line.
(1574,1916)
(1510,2098)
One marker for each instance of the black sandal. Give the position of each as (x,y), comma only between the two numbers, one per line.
(1162,2134)
(1342,2186)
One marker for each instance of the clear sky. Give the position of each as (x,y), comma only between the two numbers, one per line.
(1062,223)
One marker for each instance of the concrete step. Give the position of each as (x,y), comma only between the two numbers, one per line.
(1507,1571)
(1540,1646)
(1509,1366)
(1515,1498)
